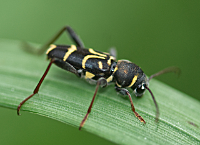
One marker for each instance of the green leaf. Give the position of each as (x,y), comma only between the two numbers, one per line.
(66,98)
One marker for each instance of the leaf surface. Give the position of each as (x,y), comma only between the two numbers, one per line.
(66,98)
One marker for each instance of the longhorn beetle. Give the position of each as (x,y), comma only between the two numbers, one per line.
(96,67)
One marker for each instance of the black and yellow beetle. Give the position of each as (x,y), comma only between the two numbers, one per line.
(98,68)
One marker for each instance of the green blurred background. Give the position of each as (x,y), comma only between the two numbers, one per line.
(153,34)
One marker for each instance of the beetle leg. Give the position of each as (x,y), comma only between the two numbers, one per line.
(37,87)
(113,52)
(101,82)
(126,92)
(75,37)
(67,66)
(27,47)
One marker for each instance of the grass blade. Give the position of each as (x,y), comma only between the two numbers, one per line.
(66,98)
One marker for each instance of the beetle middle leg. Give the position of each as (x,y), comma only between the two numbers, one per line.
(41,50)
(126,92)
(113,52)
(100,82)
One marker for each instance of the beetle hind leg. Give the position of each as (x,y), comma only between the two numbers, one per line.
(75,37)
(27,47)
(66,66)
(36,88)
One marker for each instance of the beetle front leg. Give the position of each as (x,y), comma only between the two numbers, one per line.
(101,82)
(126,92)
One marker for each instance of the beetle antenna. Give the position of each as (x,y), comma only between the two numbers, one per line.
(174,69)
(154,100)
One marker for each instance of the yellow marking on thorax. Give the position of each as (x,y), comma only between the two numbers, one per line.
(88,57)
(116,68)
(109,60)
(70,51)
(52,46)
(100,64)
(97,53)
(133,80)
(118,84)
(109,79)
(89,75)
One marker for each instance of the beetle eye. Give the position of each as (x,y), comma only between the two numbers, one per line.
(139,91)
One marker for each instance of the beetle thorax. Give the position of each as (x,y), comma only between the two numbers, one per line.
(126,73)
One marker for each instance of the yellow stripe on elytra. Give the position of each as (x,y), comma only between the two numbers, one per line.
(70,51)
(97,53)
(88,57)
(133,80)
(100,64)
(52,46)
(88,75)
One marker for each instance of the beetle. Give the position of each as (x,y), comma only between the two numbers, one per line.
(96,67)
